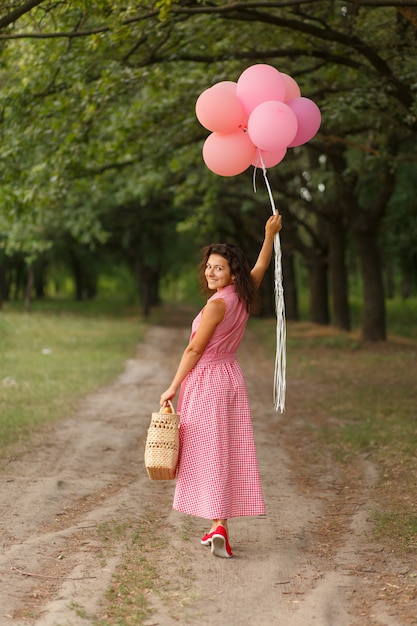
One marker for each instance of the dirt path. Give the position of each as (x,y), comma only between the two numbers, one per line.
(307,563)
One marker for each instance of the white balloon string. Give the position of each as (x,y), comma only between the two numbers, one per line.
(281,335)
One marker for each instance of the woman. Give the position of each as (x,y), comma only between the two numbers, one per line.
(218,476)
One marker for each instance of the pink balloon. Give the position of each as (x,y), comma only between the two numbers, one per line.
(219,109)
(259,83)
(292,89)
(272,126)
(268,159)
(309,120)
(227,84)
(228,154)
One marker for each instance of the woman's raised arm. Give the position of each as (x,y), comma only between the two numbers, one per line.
(272,227)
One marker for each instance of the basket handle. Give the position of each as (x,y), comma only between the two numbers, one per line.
(167,405)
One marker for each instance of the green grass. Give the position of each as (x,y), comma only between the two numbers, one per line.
(51,359)
(111,305)
(394,524)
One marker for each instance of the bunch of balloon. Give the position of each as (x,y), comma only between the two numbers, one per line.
(255,120)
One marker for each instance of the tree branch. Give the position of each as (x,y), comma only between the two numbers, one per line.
(242,12)
(251,11)
(276,53)
(13,16)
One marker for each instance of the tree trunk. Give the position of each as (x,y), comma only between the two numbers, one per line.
(373,322)
(39,277)
(20,279)
(148,286)
(2,284)
(78,279)
(338,272)
(154,290)
(319,292)
(29,287)
(390,280)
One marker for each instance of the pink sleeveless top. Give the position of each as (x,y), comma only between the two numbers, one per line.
(229,333)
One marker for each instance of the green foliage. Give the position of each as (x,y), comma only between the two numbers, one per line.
(97,121)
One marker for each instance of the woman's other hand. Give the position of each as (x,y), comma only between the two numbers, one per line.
(169,394)
(273,225)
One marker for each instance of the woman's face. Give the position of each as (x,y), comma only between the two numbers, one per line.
(217,272)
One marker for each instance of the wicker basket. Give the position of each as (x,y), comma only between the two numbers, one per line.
(162,445)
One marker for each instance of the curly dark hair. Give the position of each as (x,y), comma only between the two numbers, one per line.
(244,284)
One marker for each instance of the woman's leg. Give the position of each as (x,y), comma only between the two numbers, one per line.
(218,522)
(220,545)
(219,541)
(206,540)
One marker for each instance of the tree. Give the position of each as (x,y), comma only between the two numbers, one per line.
(103,86)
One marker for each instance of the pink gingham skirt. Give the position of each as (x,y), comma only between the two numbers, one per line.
(218,475)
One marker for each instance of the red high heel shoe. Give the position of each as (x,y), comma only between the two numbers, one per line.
(220,544)
(206,540)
